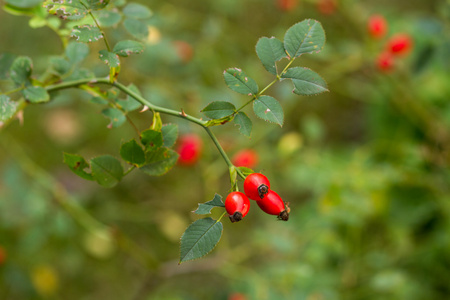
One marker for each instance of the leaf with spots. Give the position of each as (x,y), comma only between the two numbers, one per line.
(200,238)
(87,33)
(116,116)
(127,47)
(239,82)
(269,109)
(78,164)
(307,36)
(245,124)
(71,9)
(7,108)
(109,58)
(306,81)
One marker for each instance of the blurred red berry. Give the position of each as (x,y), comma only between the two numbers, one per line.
(184,50)
(327,7)
(237,296)
(287,5)
(190,148)
(246,158)
(2,255)
(385,61)
(400,44)
(377,26)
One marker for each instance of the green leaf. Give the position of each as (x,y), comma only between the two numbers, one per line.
(24,3)
(76,52)
(244,122)
(199,239)
(307,36)
(269,51)
(137,11)
(136,28)
(132,153)
(109,58)
(151,138)
(96,4)
(306,81)
(20,70)
(36,94)
(7,108)
(106,170)
(127,47)
(169,134)
(205,208)
(218,109)
(6,60)
(159,161)
(87,33)
(239,82)
(108,18)
(72,9)
(269,109)
(60,65)
(77,164)
(116,116)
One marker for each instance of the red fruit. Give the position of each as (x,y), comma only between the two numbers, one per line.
(327,7)
(237,296)
(246,158)
(272,204)
(400,44)
(256,186)
(377,26)
(237,206)
(287,5)
(190,148)
(385,62)
(184,50)
(2,255)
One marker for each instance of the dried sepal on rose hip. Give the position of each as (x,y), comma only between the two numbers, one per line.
(272,204)
(256,186)
(237,206)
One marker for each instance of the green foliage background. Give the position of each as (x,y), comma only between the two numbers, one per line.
(365,167)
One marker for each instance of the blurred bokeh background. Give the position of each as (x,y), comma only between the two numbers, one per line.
(365,167)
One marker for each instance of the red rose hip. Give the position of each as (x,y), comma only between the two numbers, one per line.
(190,149)
(237,206)
(377,26)
(256,186)
(400,44)
(272,204)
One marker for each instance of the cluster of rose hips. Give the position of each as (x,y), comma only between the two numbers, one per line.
(397,45)
(256,187)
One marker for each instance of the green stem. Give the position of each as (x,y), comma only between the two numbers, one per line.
(222,152)
(129,170)
(223,214)
(101,30)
